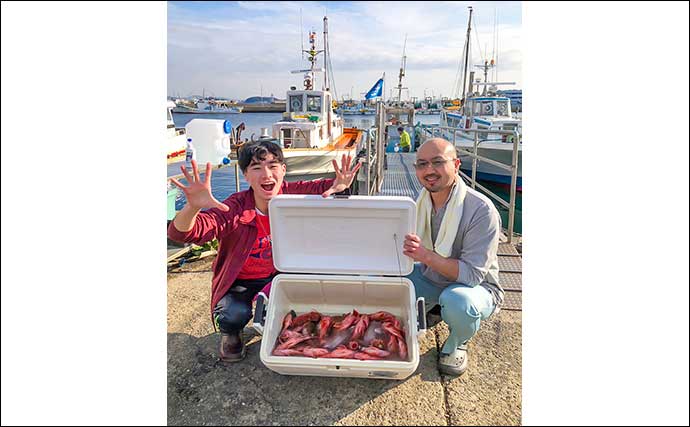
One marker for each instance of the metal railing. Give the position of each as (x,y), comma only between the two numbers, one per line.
(372,177)
(436,131)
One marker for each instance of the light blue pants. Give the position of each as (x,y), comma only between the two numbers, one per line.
(462,307)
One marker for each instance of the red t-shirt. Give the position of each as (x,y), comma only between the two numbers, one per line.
(259,265)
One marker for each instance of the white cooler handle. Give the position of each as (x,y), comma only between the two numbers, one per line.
(260,313)
(421,317)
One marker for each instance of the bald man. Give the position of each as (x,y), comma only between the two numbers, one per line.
(455,250)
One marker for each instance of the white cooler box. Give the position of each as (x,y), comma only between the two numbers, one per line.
(353,248)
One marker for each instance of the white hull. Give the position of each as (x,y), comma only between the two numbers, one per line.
(176,144)
(218,111)
(494,150)
(498,151)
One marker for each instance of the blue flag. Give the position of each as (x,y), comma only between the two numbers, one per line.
(376,90)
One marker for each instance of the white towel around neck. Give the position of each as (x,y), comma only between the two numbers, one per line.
(449,224)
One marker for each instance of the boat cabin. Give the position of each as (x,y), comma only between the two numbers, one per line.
(308,120)
(488,106)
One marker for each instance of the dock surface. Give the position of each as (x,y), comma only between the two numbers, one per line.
(201,391)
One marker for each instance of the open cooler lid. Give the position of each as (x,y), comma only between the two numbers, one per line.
(357,235)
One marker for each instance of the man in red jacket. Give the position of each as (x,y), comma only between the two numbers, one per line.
(244,264)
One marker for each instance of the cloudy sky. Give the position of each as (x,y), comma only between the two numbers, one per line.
(242,49)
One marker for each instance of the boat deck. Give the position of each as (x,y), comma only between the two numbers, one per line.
(349,139)
(400,180)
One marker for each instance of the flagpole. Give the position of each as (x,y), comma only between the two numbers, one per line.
(383,87)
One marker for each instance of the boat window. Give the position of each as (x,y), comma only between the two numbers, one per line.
(295,103)
(314,103)
(502,108)
(485,108)
(170,119)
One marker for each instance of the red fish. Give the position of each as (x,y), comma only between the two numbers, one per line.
(348,321)
(381,315)
(388,327)
(324,326)
(353,345)
(341,352)
(292,342)
(287,321)
(288,334)
(402,349)
(315,352)
(392,344)
(374,351)
(366,356)
(309,328)
(361,327)
(287,352)
(312,316)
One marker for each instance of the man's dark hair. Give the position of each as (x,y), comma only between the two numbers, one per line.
(257,151)
(400,129)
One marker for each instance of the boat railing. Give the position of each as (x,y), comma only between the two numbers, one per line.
(443,131)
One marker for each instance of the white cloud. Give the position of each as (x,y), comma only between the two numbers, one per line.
(230,54)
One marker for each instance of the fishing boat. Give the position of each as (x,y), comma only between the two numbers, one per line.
(177,142)
(310,131)
(485,110)
(359,109)
(209,107)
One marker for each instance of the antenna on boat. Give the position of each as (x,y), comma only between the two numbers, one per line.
(493,54)
(402,71)
(325,52)
(467,52)
(301,32)
(486,67)
(312,52)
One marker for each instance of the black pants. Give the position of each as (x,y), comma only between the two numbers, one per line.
(234,310)
(406,149)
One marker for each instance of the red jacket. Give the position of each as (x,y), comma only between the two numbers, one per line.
(236,231)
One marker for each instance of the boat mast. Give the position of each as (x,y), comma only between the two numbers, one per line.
(402,71)
(329,107)
(325,54)
(467,53)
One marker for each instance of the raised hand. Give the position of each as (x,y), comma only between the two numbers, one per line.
(198,192)
(344,176)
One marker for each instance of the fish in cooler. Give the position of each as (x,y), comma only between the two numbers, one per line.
(376,336)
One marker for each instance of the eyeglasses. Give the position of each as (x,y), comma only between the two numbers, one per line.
(436,164)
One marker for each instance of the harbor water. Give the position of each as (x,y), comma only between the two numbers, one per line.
(223,180)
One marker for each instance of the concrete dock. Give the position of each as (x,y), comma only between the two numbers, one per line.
(201,391)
